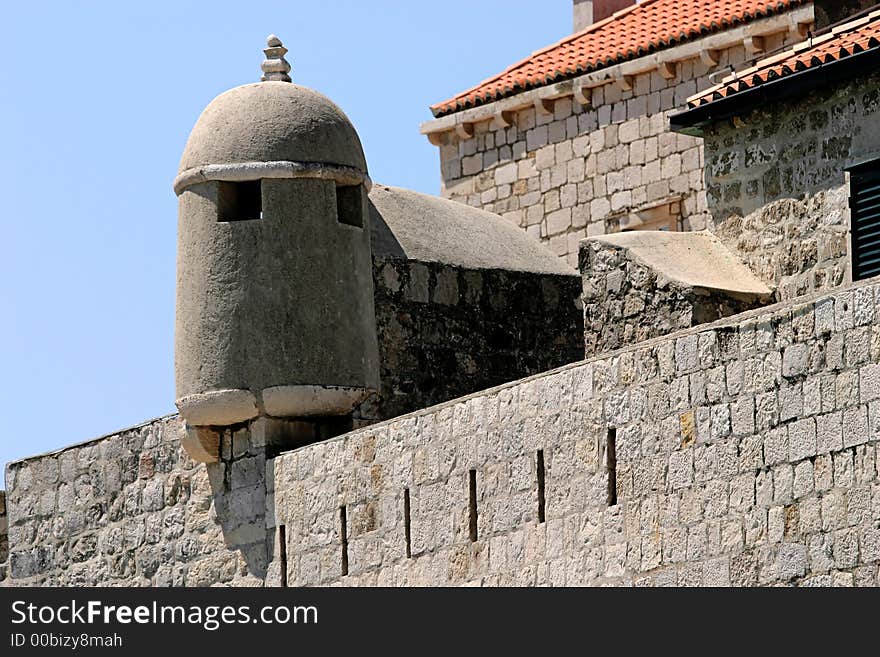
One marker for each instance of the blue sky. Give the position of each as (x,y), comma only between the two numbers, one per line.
(96,102)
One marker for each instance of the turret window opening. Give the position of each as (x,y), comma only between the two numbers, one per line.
(239,201)
(350,205)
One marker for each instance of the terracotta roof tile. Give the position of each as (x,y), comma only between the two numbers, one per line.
(845,40)
(633,32)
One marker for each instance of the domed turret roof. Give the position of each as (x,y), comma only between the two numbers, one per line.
(272,121)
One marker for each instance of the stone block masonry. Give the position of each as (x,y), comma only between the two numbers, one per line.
(576,171)
(740,453)
(777,187)
(447,331)
(627,302)
(131,509)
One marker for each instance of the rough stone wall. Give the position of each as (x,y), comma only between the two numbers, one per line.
(746,454)
(445,332)
(4,542)
(132,509)
(626,302)
(777,187)
(573,173)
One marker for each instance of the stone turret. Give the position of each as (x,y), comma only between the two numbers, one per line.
(275,311)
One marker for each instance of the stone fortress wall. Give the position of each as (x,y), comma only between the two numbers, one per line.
(124,510)
(745,452)
(564,171)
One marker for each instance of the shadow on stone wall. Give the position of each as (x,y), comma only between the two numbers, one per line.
(241,485)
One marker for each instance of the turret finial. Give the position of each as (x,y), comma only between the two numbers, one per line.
(275,67)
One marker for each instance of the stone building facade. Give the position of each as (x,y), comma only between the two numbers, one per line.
(779,196)
(780,141)
(592,153)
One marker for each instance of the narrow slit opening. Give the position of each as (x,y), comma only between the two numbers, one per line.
(540,474)
(611,466)
(350,205)
(472,504)
(343,531)
(282,554)
(406,524)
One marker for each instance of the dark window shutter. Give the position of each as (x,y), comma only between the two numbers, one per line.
(864,203)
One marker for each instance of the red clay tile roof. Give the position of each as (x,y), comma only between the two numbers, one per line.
(846,40)
(634,32)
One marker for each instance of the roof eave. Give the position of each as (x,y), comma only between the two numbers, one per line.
(694,121)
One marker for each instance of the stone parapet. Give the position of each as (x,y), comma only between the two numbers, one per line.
(743,452)
(132,509)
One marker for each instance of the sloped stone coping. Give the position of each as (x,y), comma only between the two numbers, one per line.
(693,259)
(342,174)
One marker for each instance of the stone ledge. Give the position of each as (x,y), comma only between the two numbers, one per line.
(693,259)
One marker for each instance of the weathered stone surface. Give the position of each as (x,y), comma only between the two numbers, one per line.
(777,192)
(134,510)
(240,289)
(718,488)
(628,299)
(447,331)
